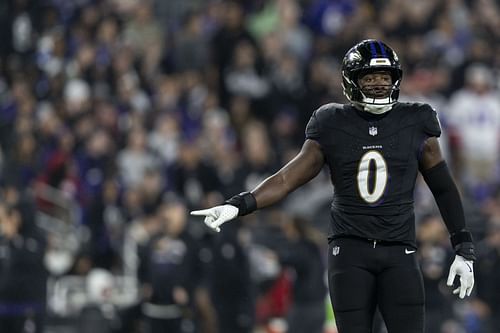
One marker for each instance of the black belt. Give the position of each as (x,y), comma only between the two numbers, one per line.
(373,241)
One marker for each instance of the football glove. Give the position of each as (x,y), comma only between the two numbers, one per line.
(463,268)
(216,216)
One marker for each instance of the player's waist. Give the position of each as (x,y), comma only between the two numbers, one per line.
(374,210)
(371,241)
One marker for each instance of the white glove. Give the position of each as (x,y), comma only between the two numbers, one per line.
(463,268)
(216,216)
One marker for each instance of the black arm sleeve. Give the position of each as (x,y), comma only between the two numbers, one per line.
(445,192)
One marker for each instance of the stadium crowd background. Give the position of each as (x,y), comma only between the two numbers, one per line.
(117,117)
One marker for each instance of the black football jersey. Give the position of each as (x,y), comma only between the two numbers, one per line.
(373,162)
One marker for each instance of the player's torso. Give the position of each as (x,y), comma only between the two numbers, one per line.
(373,159)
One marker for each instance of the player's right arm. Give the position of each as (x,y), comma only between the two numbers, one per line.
(301,169)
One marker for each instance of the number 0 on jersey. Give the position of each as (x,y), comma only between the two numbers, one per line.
(364,175)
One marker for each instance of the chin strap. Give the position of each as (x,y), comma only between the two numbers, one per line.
(375,105)
(373,108)
(377,109)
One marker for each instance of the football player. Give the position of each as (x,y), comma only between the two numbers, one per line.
(374,146)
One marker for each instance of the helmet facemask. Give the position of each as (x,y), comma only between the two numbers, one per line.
(381,94)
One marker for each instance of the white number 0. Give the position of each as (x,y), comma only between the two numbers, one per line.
(380,176)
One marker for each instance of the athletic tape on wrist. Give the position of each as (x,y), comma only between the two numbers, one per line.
(463,244)
(461,236)
(245,202)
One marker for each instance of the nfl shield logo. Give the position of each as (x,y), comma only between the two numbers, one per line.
(335,250)
(372,130)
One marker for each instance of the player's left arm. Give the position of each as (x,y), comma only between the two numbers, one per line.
(438,177)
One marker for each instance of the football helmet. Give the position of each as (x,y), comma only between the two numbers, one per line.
(366,57)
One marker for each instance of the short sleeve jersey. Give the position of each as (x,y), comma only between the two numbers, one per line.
(373,162)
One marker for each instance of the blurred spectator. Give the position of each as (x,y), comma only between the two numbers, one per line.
(106,222)
(231,33)
(135,159)
(487,304)
(240,110)
(146,37)
(164,139)
(131,97)
(95,161)
(232,288)
(320,80)
(329,17)
(132,203)
(169,12)
(23,276)
(77,99)
(296,38)
(23,165)
(288,86)
(242,76)
(152,190)
(259,159)
(192,176)
(474,117)
(434,257)
(191,50)
(174,277)
(22,26)
(61,171)
(100,314)
(303,255)
(10,106)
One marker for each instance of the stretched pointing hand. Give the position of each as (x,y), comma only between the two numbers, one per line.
(216,216)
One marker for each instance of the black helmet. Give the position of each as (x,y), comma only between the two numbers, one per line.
(367,56)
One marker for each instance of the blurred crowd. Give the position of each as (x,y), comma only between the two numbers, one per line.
(117,117)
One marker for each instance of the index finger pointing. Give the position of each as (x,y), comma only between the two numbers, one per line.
(203,212)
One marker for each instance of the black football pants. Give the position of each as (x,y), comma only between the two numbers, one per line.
(363,275)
